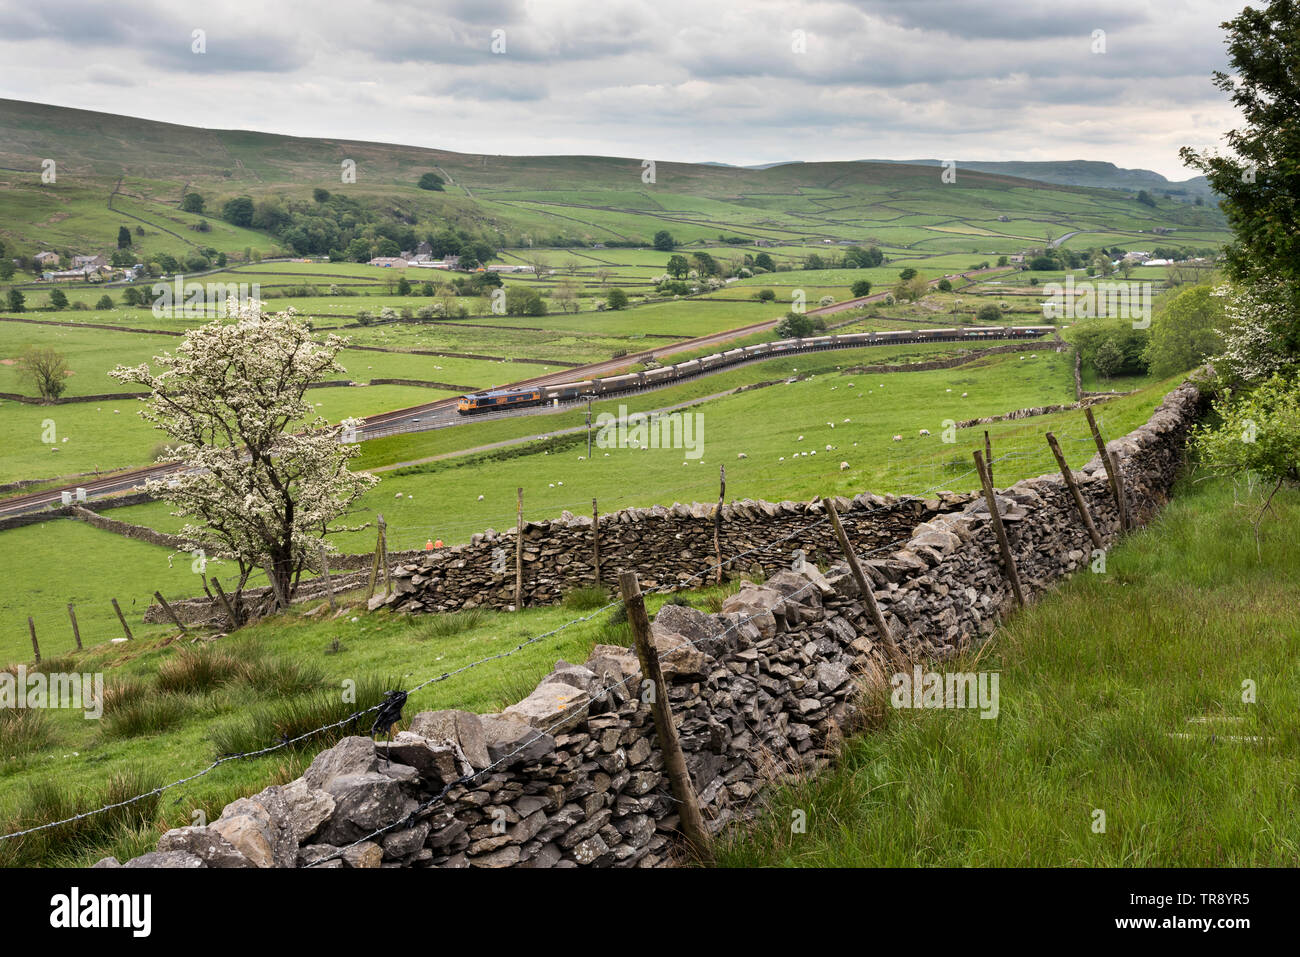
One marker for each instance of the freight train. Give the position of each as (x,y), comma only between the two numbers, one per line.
(500,399)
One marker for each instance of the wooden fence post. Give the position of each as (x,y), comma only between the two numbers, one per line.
(988,455)
(1073,486)
(76,632)
(1112,468)
(225,602)
(170,612)
(122,619)
(595,539)
(1105,461)
(692,821)
(892,651)
(383,556)
(36,649)
(374,565)
(1008,562)
(519,549)
(717,520)
(325,571)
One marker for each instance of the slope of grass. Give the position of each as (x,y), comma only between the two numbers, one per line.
(171,709)
(1105,688)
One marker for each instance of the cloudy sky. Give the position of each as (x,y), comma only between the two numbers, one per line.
(744,82)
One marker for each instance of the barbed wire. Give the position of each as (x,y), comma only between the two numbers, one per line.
(352,719)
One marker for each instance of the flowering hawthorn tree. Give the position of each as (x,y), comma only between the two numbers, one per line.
(265,475)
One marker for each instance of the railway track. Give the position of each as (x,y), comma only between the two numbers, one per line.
(442,412)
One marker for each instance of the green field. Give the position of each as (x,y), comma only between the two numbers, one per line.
(439,499)
(1119,692)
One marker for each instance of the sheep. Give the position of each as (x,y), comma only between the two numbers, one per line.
(844,466)
(848,420)
(898,438)
(480,498)
(963,395)
(829,447)
(559,483)
(925,431)
(550,485)
(781,459)
(800,439)
(741,455)
(398,495)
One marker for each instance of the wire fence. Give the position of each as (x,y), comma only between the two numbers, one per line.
(1021,452)
(435,679)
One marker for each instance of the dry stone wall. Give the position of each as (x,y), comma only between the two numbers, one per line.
(666,545)
(573,776)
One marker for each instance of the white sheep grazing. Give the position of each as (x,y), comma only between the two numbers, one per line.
(925,431)
(850,385)
(781,459)
(398,495)
(741,455)
(686,463)
(480,498)
(829,447)
(550,485)
(963,395)
(559,483)
(814,452)
(848,420)
(844,466)
(898,438)
(800,439)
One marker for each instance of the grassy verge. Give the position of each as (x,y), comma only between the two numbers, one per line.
(1098,681)
(172,707)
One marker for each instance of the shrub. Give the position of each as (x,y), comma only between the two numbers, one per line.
(151,714)
(190,671)
(586,599)
(290,718)
(452,623)
(24,730)
(50,799)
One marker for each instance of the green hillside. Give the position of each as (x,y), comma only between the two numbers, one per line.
(114,169)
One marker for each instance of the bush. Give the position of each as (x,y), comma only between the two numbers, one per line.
(152,714)
(450,624)
(24,730)
(795,325)
(190,671)
(49,799)
(290,718)
(989,313)
(586,598)
(764,295)
(861,288)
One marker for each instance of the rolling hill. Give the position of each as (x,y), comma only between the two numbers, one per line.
(115,169)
